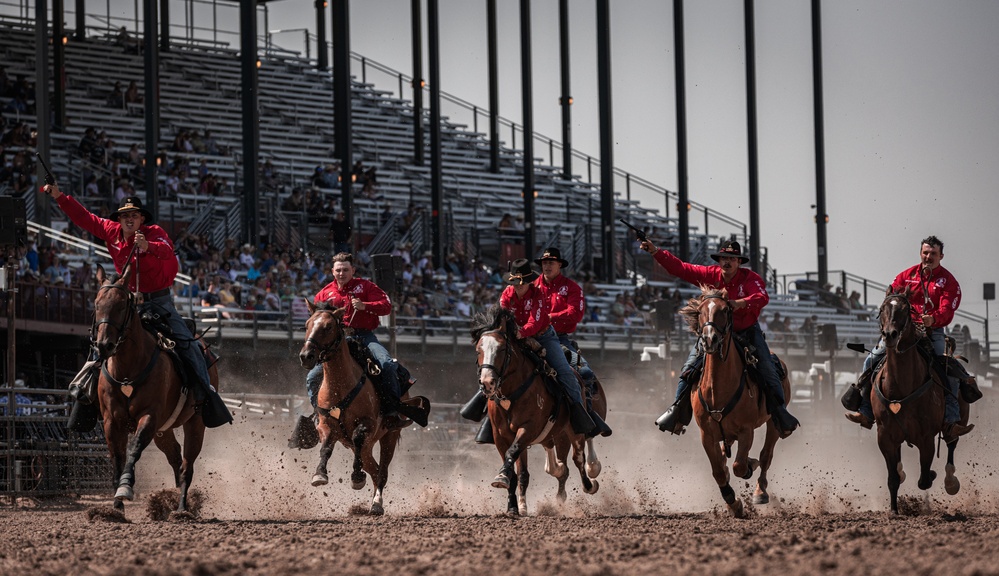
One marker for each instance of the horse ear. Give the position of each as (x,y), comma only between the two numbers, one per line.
(126,274)
(312,307)
(338,313)
(101,275)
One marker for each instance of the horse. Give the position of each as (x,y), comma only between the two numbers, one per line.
(908,401)
(141,391)
(524,412)
(728,405)
(349,406)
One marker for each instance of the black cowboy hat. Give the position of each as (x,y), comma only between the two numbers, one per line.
(730,248)
(520,272)
(552,254)
(132,204)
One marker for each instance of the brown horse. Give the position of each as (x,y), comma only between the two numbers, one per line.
(349,406)
(729,405)
(140,391)
(524,412)
(908,400)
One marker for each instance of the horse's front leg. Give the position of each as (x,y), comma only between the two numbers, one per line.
(743,466)
(136,444)
(892,452)
(719,471)
(194,440)
(951,484)
(760,496)
(116,436)
(523,480)
(379,470)
(327,442)
(579,459)
(168,445)
(926,474)
(507,478)
(359,439)
(555,464)
(593,466)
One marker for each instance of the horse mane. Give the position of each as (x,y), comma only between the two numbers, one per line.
(491,320)
(691,311)
(325,305)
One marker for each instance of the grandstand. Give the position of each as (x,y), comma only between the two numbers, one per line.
(199,90)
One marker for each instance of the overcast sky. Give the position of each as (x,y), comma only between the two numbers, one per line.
(912,126)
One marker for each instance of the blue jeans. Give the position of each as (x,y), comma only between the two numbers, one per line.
(556,358)
(187,348)
(952,409)
(765,364)
(390,375)
(584,367)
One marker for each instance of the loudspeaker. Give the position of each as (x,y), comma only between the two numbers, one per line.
(13,221)
(664,315)
(989,291)
(827,337)
(384,272)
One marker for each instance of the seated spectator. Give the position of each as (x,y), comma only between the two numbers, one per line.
(87,142)
(132,95)
(294,202)
(116,99)
(128,44)
(211,145)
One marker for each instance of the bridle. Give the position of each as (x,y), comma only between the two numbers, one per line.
(495,394)
(121,328)
(724,330)
(326,352)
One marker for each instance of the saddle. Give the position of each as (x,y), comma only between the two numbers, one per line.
(416,408)
(534,352)
(153,317)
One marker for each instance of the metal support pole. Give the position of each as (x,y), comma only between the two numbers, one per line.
(607,219)
(151,64)
(417,34)
(820,148)
(436,154)
(751,132)
(494,127)
(566,100)
(527,98)
(342,117)
(250,117)
(681,131)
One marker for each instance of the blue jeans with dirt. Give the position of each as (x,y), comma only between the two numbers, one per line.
(584,367)
(390,368)
(556,358)
(187,348)
(952,409)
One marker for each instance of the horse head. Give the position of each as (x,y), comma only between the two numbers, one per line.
(494,331)
(895,316)
(114,309)
(324,333)
(710,318)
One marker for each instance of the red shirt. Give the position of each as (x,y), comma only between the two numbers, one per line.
(158,265)
(565,302)
(944,293)
(531,311)
(745,285)
(376,302)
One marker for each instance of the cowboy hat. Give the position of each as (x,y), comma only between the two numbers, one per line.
(132,204)
(520,273)
(730,248)
(552,254)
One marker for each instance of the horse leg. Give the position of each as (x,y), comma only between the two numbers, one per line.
(593,466)
(327,442)
(720,473)
(951,484)
(194,440)
(892,453)
(386,450)
(523,480)
(760,496)
(117,439)
(579,459)
(926,474)
(168,445)
(743,466)
(136,444)
(359,438)
(555,464)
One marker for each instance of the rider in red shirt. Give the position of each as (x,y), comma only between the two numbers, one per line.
(748,295)
(934,297)
(131,226)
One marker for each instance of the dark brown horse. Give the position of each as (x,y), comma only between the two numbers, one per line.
(140,391)
(728,404)
(908,400)
(349,406)
(524,412)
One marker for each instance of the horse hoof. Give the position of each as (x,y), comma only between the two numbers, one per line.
(593,469)
(377,509)
(522,509)
(124,493)
(761,499)
(513,512)
(357,480)
(594,487)
(501,481)
(736,509)
(320,480)
(118,505)
(561,496)
(951,484)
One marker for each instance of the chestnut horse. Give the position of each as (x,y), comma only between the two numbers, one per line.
(908,400)
(348,404)
(729,405)
(140,391)
(524,412)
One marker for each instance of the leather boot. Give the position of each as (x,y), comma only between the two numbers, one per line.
(475,408)
(784,421)
(305,435)
(83,417)
(954,430)
(579,420)
(859,418)
(485,435)
(600,427)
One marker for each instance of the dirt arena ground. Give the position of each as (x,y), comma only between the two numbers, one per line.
(657,510)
